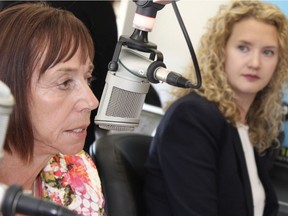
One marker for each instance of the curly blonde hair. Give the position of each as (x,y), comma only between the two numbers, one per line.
(265,116)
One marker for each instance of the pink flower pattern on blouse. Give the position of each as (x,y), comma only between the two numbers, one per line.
(73,181)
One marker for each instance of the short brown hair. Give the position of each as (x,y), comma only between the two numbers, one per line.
(27,30)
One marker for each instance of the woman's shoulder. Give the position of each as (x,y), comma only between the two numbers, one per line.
(194,108)
(196,102)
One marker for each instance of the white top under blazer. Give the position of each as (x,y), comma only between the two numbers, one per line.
(258,192)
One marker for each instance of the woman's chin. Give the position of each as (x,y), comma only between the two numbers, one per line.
(73,150)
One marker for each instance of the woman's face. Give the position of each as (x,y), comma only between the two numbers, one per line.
(251,57)
(60,106)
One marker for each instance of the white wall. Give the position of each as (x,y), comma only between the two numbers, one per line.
(167,34)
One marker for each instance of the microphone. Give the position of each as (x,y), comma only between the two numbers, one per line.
(129,73)
(125,90)
(124,93)
(12,200)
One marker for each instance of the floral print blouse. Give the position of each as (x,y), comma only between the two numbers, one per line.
(73,181)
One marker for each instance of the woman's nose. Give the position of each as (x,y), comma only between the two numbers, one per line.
(89,98)
(254,62)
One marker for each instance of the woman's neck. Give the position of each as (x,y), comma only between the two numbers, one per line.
(244,105)
(14,171)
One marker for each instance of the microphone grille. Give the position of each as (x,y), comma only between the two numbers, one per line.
(132,102)
(121,103)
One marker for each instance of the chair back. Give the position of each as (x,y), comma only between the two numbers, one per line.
(120,162)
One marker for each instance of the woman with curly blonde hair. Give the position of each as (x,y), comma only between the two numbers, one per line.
(213,149)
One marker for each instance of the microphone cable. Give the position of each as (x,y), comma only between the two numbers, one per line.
(190,46)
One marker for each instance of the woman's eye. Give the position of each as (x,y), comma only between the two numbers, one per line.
(243,48)
(90,79)
(269,52)
(65,85)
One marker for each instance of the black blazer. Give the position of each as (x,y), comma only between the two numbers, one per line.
(196,165)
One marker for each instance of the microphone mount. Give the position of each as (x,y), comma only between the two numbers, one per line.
(139,38)
(137,41)
(143,22)
(148,7)
(130,73)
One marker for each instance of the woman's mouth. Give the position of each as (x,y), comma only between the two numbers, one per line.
(78,132)
(251,77)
